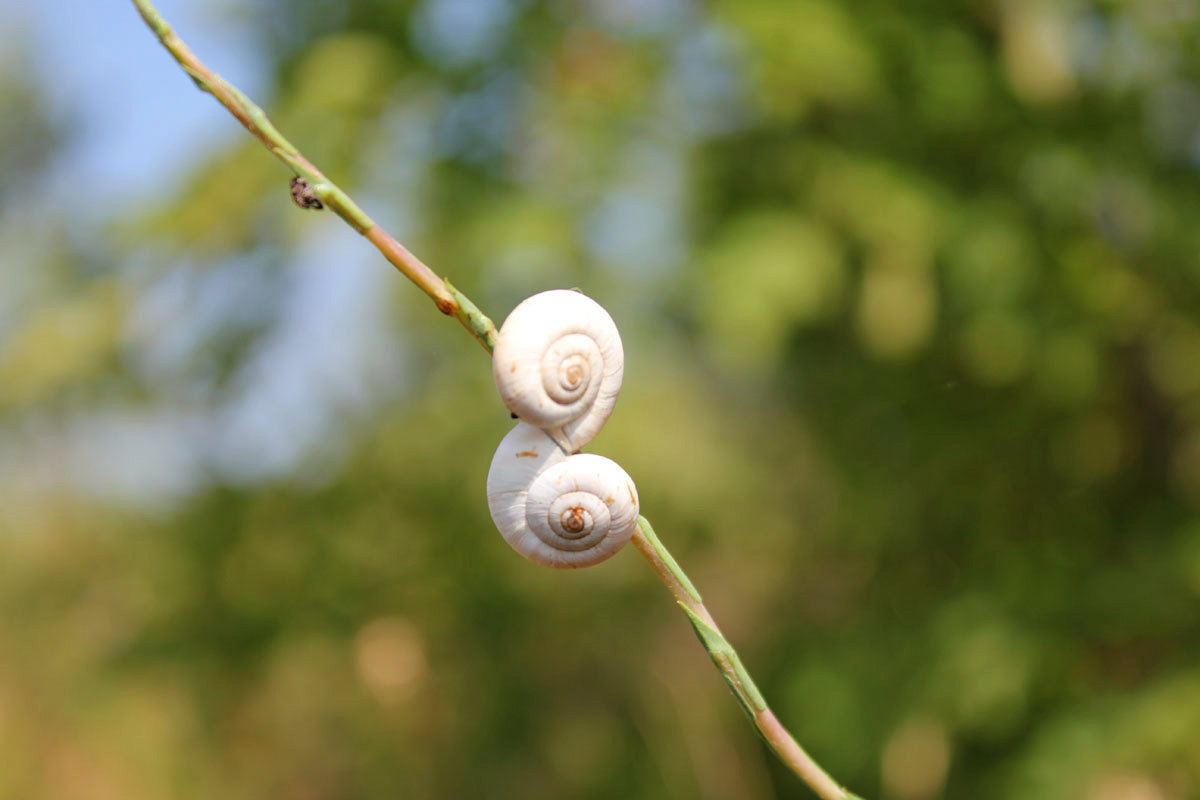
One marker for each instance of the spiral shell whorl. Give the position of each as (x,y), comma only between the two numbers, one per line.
(559,510)
(558,364)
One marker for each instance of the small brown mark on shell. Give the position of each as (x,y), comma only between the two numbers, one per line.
(527,454)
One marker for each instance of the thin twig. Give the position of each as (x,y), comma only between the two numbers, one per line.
(729,663)
(255,120)
(454,303)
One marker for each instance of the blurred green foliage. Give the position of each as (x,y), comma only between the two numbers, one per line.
(911,302)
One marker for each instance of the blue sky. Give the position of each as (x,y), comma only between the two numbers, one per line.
(135,109)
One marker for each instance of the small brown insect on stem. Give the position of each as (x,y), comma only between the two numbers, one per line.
(304,196)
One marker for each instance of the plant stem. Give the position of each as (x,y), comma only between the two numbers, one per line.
(729,664)
(452,302)
(255,120)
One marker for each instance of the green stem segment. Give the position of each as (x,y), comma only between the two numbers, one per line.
(452,302)
(474,320)
(730,665)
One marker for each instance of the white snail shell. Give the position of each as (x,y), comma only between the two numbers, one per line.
(558,364)
(555,509)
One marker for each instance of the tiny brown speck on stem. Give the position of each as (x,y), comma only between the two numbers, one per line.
(304,196)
